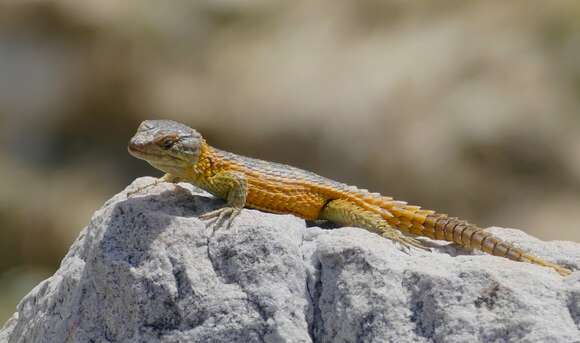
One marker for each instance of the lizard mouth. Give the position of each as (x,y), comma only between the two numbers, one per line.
(140,151)
(137,151)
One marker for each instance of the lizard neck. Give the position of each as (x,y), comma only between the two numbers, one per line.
(208,164)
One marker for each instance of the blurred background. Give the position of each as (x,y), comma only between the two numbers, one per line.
(469,108)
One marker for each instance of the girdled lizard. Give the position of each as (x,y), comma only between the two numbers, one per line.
(182,153)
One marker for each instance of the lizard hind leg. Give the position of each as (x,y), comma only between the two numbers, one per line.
(344,212)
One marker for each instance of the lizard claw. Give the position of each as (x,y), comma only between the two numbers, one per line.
(227,214)
(142,188)
(404,241)
(165,178)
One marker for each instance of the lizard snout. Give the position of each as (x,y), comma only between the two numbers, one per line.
(136,146)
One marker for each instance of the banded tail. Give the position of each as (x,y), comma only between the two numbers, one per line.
(413,219)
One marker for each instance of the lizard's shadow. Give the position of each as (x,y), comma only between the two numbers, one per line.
(137,221)
(323,224)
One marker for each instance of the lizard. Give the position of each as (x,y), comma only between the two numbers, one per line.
(184,156)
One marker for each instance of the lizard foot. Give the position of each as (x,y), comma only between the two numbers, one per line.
(406,242)
(142,188)
(216,217)
(165,178)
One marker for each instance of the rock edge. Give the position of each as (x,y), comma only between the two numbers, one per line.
(146,269)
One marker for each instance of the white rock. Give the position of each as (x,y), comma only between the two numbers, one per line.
(146,269)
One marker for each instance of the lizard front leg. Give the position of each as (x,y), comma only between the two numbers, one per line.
(232,187)
(344,212)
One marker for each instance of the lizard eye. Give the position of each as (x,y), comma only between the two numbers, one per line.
(167,142)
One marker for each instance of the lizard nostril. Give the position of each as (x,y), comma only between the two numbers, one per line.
(135,146)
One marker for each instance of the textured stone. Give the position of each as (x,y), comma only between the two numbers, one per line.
(146,269)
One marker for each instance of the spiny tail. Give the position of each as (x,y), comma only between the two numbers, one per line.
(413,219)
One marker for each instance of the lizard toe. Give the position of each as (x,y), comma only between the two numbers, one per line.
(405,242)
(223,215)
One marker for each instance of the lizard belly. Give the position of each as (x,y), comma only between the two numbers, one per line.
(285,199)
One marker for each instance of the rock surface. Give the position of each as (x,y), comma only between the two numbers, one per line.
(146,269)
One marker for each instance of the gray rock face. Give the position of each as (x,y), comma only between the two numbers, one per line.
(146,269)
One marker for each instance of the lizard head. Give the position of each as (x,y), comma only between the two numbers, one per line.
(167,145)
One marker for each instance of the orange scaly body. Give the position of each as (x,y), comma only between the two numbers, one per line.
(247,182)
